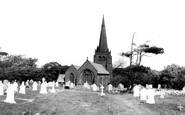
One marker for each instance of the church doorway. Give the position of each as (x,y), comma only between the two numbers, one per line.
(87,76)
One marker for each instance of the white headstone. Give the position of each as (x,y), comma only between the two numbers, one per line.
(15,86)
(85,84)
(22,88)
(150,86)
(159,86)
(5,84)
(72,85)
(88,86)
(56,83)
(143,94)
(34,86)
(136,91)
(10,94)
(53,87)
(109,87)
(68,83)
(94,87)
(43,89)
(150,96)
(102,94)
(1,88)
(162,94)
(120,86)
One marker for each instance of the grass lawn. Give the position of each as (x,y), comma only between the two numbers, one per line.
(80,101)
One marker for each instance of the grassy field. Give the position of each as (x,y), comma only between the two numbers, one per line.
(80,101)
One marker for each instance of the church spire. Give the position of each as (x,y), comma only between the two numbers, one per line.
(103,47)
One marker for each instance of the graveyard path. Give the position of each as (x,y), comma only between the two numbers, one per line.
(131,106)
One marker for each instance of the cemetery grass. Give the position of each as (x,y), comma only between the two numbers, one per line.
(80,101)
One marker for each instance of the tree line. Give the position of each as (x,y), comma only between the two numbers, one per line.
(21,68)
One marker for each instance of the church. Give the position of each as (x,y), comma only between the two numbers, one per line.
(97,72)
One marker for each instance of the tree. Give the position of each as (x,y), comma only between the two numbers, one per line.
(51,70)
(17,67)
(141,51)
(173,76)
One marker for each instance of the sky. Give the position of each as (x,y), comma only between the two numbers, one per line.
(68,31)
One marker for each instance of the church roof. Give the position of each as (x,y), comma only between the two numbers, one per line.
(99,68)
(76,66)
(61,78)
(103,47)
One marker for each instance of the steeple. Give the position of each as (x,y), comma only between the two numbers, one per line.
(103,47)
(102,54)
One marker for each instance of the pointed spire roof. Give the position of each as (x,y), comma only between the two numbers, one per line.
(103,47)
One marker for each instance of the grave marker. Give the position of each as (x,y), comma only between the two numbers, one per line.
(10,94)
(22,88)
(102,94)
(1,88)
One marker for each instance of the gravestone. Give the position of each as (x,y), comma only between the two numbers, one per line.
(88,86)
(162,94)
(72,85)
(102,94)
(85,84)
(5,85)
(34,86)
(56,84)
(143,94)
(10,94)
(27,84)
(94,87)
(150,86)
(150,96)
(120,87)
(43,89)
(109,87)
(68,83)
(53,87)
(15,86)
(159,87)
(1,88)
(136,91)
(22,88)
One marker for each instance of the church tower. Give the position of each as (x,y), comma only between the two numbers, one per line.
(102,54)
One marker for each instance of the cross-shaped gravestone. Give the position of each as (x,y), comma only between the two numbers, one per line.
(102,94)
(180,107)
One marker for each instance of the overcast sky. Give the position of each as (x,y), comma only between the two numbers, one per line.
(68,31)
